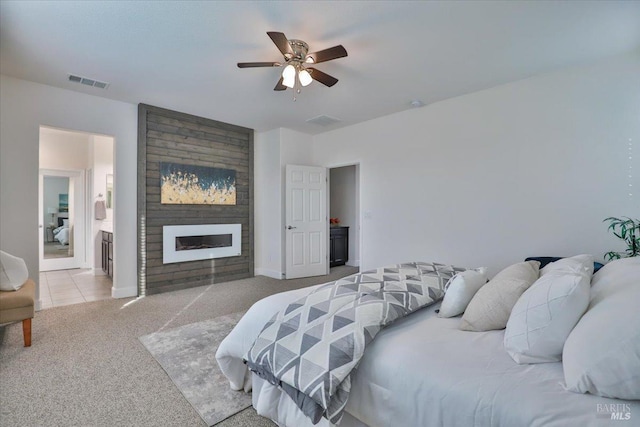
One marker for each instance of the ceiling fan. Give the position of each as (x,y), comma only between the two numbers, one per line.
(296,61)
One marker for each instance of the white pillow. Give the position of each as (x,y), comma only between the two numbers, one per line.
(545,314)
(65,223)
(459,291)
(602,354)
(13,272)
(491,306)
(578,263)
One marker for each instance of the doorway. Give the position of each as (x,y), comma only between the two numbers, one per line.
(76,174)
(344,209)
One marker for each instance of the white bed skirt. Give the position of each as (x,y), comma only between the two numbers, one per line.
(271,402)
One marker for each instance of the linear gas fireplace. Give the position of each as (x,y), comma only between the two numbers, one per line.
(193,242)
(190,243)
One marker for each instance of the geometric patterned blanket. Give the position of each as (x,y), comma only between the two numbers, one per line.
(311,347)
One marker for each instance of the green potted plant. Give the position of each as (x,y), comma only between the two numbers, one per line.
(628,230)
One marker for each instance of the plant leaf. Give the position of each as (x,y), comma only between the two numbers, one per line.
(628,230)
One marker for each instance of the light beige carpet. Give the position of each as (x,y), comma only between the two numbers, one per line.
(86,366)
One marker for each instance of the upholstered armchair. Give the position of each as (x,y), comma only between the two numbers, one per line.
(17,294)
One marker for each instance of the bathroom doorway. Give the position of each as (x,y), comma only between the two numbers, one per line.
(76,203)
(344,214)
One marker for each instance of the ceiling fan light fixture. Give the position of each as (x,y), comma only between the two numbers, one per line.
(296,54)
(289,76)
(305,77)
(290,83)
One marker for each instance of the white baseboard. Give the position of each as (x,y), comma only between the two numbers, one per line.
(269,273)
(99,272)
(355,263)
(38,306)
(124,292)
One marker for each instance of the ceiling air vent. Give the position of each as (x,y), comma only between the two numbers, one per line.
(324,120)
(88,82)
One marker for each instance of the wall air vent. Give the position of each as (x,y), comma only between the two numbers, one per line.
(88,82)
(324,120)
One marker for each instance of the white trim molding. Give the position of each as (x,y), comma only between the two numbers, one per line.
(124,292)
(269,273)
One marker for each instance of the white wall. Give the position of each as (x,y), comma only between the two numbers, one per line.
(267,208)
(528,168)
(343,200)
(25,106)
(63,150)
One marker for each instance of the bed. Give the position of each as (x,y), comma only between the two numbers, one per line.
(61,233)
(423,370)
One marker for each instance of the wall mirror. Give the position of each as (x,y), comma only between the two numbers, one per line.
(58,232)
(109,192)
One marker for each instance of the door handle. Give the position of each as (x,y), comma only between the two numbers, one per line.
(290,227)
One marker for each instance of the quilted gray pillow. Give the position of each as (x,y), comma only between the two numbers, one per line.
(492,304)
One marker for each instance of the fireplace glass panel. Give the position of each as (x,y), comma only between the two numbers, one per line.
(185,243)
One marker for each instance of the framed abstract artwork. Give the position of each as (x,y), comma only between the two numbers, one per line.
(196,185)
(63,203)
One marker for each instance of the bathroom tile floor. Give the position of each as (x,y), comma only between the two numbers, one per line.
(65,287)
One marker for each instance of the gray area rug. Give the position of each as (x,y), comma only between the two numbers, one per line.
(187,354)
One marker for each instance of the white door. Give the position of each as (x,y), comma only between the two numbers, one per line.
(61,201)
(306,225)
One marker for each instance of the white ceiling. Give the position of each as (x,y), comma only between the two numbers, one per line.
(182,55)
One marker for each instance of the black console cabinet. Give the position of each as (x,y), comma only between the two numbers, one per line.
(339,246)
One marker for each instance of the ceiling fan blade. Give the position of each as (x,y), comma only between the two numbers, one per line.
(279,85)
(258,64)
(328,54)
(282,43)
(321,77)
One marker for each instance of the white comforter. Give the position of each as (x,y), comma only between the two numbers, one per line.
(236,345)
(61,234)
(423,371)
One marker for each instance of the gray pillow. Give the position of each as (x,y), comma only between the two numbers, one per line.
(491,306)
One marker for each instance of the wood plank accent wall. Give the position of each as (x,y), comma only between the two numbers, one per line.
(169,136)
